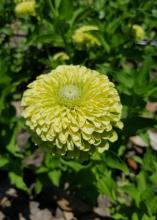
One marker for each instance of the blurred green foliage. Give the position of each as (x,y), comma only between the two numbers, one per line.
(28,45)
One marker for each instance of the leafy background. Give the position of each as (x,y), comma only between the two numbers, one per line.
(119,184)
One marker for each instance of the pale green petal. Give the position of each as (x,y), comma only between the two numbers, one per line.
(72,109)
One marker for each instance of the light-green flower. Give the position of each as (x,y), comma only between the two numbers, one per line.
(73,111)
(27,7)
(138,32)
(83,36)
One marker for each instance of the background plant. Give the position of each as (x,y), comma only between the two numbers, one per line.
(29,44)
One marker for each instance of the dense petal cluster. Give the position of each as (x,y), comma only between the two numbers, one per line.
(26,7)
(72,111)
(138,32)
(84,36)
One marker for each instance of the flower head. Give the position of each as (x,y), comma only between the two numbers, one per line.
(72,110)
(83,36)
(62,56)
(26,7)
(138,32)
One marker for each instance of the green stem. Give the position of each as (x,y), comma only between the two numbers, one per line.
(52,8)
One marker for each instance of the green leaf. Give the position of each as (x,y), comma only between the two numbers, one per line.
(150,201)
(119,216)
(38,186)
(152,93)
(65,9)
(133,193)
(51,162)
(141,182)
(105,183)
(55,176)
(125,79)
(74,165)
(57,3)
(143,74)
(146,217)
(17,180)
(12,146)
(115,162)
(42,169)
(3,161)
(104,42)
(134,216)
(77,15)
(138,159)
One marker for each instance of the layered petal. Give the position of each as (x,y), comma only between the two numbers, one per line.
(72,110)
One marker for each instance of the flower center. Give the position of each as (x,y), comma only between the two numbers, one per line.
(70,94)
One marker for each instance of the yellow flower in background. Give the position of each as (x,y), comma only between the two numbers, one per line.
(138,32)
(27,7)
(62,56)
(72,111)
(17,1)
(83,36)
